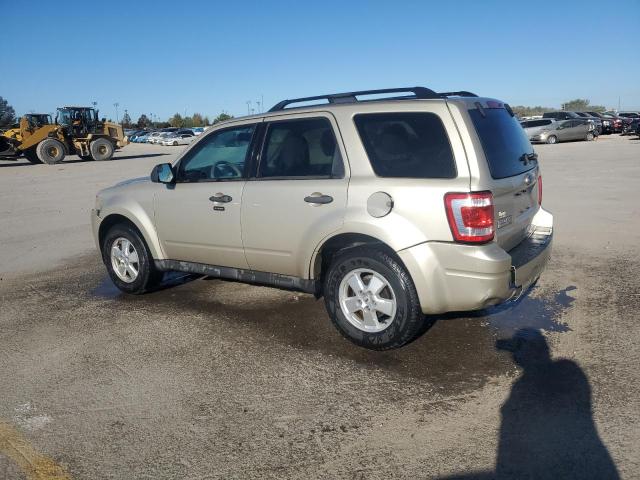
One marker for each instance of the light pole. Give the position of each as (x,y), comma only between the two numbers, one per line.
(248,107)
(117,105)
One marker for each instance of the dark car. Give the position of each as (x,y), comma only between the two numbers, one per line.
(610,123)
(632,127)
(562,115)
(597,122)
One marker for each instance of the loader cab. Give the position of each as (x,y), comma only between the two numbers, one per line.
(80,120)
(37,120)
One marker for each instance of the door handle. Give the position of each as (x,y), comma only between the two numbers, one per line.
(220,198)
(318,198)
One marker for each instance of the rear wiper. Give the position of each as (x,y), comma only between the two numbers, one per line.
(528,157)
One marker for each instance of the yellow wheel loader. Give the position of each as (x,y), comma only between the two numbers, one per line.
(76,131)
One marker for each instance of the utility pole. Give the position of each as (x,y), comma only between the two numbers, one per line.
(117,105)
(248,107)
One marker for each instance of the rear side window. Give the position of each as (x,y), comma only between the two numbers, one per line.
(505,144)
(407,145)
(301,148)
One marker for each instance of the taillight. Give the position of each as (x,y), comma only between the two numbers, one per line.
(470,216)
(540,190)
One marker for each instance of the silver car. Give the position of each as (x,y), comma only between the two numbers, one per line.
(389,208)
(536,126)
(565,130)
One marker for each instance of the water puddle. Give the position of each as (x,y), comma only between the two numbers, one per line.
(543,312)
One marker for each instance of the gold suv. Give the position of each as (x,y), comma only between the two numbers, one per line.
(390,204)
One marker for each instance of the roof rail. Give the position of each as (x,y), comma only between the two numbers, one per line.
(461,93)
(350,97)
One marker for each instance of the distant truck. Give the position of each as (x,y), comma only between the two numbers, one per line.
(76,131)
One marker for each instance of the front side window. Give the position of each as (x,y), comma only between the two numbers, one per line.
(407,145)
(220,156)
(301,148)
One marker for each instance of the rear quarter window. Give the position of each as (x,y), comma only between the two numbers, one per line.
(406,145)
(505,144)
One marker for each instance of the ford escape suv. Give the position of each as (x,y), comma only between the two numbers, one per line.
(390,204)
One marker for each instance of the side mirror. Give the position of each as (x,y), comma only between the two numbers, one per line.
(162,173)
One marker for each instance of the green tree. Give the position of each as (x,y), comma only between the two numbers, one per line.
(176,120)
(522,111)
(143,121)
(126,120)
(187,122)
(222,117)
(206,121)
(7,113)
(196,120)
(582,105)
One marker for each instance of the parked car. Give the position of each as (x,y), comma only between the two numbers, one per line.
(198,131)
(176,139)
(631,128)
(389,208)
(561,115)
(534,127)
(565,130)
(157,137)
(608,122)
(597,122)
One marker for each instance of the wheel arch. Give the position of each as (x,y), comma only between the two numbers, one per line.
(322,256)
(118,218)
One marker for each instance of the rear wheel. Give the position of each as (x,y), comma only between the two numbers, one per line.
(552,139)
(32,156)
(372,300)
(50,151)
(128,260)
(101,149)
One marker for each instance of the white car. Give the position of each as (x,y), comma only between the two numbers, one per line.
(178,139)
(158,139)
(152,137)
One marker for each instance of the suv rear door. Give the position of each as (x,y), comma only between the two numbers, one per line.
(507,166)
(298,193)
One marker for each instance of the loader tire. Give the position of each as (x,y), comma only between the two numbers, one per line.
(50,151)
(101,149)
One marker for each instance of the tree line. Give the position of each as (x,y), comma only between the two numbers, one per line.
(576,105)
(8,115)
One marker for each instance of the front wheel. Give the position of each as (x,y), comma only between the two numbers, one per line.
(129,261)
(589,136)
(552,139)
(101,149)
(372,300)
(50,151)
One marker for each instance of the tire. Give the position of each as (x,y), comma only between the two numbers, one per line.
(387,331)
(175,144)
(552,139)
(101,149)
(590,136)
(50,151)
(146,277)
(32,156)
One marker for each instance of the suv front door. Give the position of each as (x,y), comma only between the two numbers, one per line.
(298,195)
(198,218)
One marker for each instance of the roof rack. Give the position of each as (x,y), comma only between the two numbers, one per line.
(461,93)
(350,97)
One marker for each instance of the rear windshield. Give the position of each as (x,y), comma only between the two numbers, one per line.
(504,142)
(407,145)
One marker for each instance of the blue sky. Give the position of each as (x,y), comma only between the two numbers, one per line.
(165,57)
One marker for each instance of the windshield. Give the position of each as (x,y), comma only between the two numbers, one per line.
(505,144)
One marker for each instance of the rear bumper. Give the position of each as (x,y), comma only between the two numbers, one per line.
(455,277)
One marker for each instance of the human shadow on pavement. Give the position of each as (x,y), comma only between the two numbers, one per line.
(547,429)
